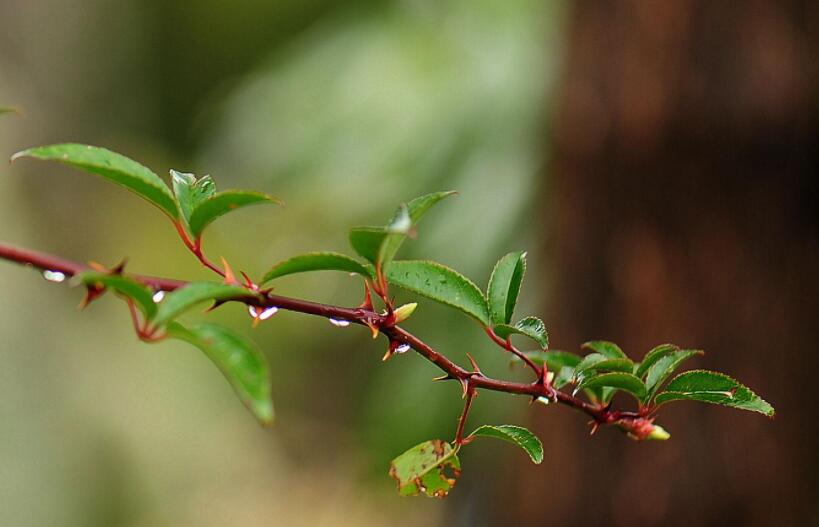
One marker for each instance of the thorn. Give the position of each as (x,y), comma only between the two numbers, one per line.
(230,278)
(595,425)
(464,386)
(368,299)
(216,303)
(373,328)
(248,282)
(97,266)
(387,355)
(92,292)
(445,377)
(475,368)
(117,269)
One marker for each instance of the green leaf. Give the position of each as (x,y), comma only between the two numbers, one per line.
(420,205)
(561,363)
(664,367)
(564,376)
(595,363)
(379,245)
(127,287)
(318,261)
(532,327)
(588,362)
(239,360)
(517,435)
(618,380)
(653,356)
(504,286)
(604,347)
(179,301)
(716,388)
(440,283)
(191,192)
(111,166)
(223,202)
(431,468)
(366,242)
(554,359)
(404,221)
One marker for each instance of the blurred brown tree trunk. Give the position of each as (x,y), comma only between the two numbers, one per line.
(684,207)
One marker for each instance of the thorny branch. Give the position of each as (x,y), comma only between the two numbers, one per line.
(632,422)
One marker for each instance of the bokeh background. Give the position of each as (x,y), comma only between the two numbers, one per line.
(657,160)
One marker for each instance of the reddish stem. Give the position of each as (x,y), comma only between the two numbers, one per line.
(363,316)
(196,248)
(507,345)
(469,396)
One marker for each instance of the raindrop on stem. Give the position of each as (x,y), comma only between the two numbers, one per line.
(262,313)
(54,276)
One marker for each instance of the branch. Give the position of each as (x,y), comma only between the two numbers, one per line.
(365,316)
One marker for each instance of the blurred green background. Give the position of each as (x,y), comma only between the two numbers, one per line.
(343,109)
(657,160)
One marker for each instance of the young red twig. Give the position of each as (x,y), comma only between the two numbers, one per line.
(195,247)
(507,345)
(469,396)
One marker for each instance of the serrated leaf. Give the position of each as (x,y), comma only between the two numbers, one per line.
(653,356)
(588,361)
(618,380)
(604,347)
(431,468)
(715,388)
(318,261)
(136,291)
(379,245)
(112,166)
(531,327)
(600,364)
(504,286)
(223,202)
(179,301)
(516,435)
(190,192)
(664,367)
(239,360)
(440,283)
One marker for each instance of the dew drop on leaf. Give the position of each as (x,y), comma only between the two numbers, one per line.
(403,348)
(158,296)
(339,323)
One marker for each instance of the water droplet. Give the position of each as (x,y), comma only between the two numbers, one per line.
(339,323)
(54,276)
(158,296)
(402,348)
(544,400)
(262,314)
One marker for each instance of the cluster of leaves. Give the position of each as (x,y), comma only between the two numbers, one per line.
(432,467)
